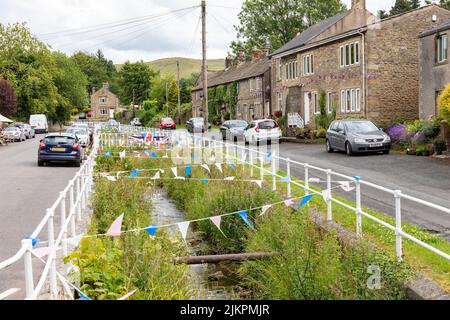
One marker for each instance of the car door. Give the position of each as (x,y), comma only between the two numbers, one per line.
(340,136)
(248,133)
(224,128)
(331,133)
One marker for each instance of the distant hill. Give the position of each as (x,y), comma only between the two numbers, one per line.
(187,66)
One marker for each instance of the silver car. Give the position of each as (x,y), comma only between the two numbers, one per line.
(233,129)
(357,136)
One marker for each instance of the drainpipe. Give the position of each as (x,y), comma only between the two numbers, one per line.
(363,49)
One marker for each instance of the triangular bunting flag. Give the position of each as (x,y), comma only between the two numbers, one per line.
(305,200)
(286,179)
(231,164)
(258,183)
(175,172)
(162,170)
(151,230)
(125,297)
(180,178)
(42,252)
(269,154)
(108,153)
(111,178)
(157,176)
(116,228)
(83,296)
(217,222)
(147,153)
(188,171)
(204,180)
(345,185)
(184,226)
(219,167)
(123,154)
(264,209)
(153,154)
(229,179)
(135,173)
(206,167)
(243,215)
(314,180)
(166,156)
(288,202)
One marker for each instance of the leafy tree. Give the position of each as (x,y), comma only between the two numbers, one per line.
(278,21)
(324,119)
(135,82)
(443,3)
(164,90)
(8,100)
(402,6)
(444,103)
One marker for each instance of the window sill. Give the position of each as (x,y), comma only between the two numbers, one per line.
(443,63)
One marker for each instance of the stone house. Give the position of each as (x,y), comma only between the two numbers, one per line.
(252,80)
(434,68)
(367,67)
(104,104)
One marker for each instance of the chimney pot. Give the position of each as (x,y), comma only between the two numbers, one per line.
(256,55)
(241,57)
(359,4)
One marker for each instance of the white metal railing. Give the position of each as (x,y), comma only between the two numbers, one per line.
(75,197)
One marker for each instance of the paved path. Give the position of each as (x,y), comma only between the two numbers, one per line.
(26,191)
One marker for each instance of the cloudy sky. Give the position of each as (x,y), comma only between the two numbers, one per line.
(134,29)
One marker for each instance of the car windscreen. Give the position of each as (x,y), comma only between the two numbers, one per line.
(238,124)
(267,125)
(361,126)
(197,120)
(59,140)
(167,120)
(11,129)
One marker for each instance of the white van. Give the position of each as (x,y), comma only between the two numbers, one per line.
(39,123)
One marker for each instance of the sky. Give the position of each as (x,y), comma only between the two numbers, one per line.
(157,31)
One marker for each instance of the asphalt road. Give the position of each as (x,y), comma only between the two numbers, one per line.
(424,178)
(26,191)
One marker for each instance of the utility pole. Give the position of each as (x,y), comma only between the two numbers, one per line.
(167,100)
(179,91)
(205,67)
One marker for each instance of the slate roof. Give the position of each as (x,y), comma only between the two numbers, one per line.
(441,27)
(244,71)
(311,32)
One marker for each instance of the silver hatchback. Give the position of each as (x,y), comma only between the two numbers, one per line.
(357,136)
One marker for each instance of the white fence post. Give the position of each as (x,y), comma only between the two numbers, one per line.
(398,225)
(262,168)
(51,244)
(78,198)
(72,209)
(29,282)
(329,212)
(288,171)
(306,179)
(251,162)
(63,222)
(358,206)
(274,174)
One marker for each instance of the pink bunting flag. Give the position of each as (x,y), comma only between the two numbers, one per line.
(125,297)
(157,176)
(345,185)
(103,174)
(314,180)
(217,222)
(42,252)
(123,154)
(258,183)
(116,228)
(289,202)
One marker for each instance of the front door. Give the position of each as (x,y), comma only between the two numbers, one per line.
(111,113)
(307,102)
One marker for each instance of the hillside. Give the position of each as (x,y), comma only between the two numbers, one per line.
(187,66)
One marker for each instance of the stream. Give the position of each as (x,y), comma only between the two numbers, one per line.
(214,281)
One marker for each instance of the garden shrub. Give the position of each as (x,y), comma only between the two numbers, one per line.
(444,103)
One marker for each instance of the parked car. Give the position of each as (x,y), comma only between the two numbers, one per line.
(60,147)
(196,125)
(27,130)
(39,123)
(357,136)
(167,124)
(262,130)
(82,134)
(136,122)
(233,129)
(14,133)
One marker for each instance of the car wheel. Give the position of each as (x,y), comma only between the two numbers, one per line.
(77,164)
(329,148)
(348,149)
(386,151)
(224,136)
(246,141)
(40,163)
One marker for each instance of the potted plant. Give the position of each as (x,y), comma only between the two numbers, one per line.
(438,145)
(429,150)
(420,149)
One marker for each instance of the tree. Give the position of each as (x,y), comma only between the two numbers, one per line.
(444,103)
(276,22)
(402,6)
(135,82)
(8,100)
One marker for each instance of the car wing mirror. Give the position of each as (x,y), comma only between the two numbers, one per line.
(42,140)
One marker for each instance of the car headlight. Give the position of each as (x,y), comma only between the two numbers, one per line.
(387,139)
(359,140)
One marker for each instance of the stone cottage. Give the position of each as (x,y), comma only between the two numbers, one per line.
(367,67)
(104,104)
(434,68)
(252,80)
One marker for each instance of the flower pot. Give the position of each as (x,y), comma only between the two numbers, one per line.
(426,153)
(438,149)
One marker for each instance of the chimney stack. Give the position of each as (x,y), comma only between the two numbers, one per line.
(256,55)
(265,51)
(359,4)
(93,90)
(241,57)
(106,86)
(228,62)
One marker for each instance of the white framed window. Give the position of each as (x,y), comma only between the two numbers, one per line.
(316,103)
(356,52)
(352,97)
(308,65)
(358,99)
(103,112)
(329,102)
(348,100)
(103,100)
(287,71)
(349,54)
(441,48)
(238,87)
(343,101)
(279,101)
(296,69)
(280,70)
(258,83)
(342,57)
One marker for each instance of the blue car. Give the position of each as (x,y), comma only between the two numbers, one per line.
(60,147)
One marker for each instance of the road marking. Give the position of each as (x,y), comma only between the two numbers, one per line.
(7,293)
